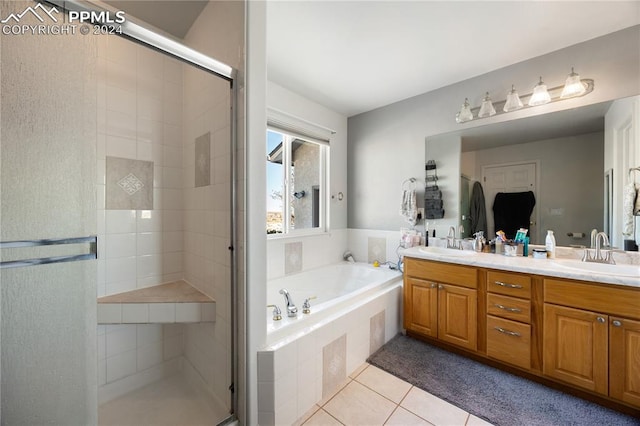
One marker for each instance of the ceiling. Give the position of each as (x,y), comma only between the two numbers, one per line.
(355,56)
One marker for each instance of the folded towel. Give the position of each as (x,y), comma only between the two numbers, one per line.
(434,213)
(628,204)
(433,195)
(431,188)
(432,204)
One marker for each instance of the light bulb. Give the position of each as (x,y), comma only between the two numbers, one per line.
(465,113)
(486,109)
(513,101)
(573,86)
(540,95)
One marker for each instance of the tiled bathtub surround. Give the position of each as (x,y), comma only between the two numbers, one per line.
(203,160)
(293,260)
(295,373)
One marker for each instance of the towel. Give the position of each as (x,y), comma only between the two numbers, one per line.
(512,210)
(629,195)
(432,204)
(434,213)
(409,208)
(478,210)
(432,195)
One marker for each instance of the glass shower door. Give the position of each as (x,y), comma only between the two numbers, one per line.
(47,191)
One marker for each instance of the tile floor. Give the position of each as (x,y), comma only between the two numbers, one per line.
(371,396)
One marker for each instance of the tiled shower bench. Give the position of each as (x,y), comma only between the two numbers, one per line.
(174,302)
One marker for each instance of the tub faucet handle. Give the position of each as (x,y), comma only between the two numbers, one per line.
(306,306)
(277,313)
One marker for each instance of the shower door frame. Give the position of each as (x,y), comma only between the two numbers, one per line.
(144,34)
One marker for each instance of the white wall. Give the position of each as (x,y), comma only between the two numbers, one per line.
(387,145)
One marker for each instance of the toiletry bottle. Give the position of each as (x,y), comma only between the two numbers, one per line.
(550,244)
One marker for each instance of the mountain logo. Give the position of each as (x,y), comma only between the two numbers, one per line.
(43,12)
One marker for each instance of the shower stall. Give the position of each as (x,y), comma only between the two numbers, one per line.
(118,220)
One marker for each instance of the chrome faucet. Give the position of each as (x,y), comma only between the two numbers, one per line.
(452,241)
(292,311)
(348,256)
(601,239)
(594,232)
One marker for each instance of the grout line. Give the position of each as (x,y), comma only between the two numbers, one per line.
(391,415)
(332,416)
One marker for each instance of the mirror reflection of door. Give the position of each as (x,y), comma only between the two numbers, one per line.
(520,177)
(465,207)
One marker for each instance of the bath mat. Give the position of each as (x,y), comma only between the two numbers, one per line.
(493,395)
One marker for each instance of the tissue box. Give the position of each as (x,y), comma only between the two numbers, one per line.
(513,249)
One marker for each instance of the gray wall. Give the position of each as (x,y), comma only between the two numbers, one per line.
(387,145)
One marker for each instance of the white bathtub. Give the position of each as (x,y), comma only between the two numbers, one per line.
(337,288)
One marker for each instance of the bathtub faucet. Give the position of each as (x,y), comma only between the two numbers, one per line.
(348,257)
(292,311)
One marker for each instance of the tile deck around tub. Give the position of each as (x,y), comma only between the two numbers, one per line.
(175,302)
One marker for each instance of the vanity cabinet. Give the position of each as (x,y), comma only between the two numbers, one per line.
(592,337)
(441,302)
(509,318)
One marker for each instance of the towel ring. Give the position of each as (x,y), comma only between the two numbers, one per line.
(634,169)
(411,181)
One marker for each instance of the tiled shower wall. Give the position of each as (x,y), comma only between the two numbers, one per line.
(139,118)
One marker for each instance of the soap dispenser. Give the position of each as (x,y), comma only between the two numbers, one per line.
(479,241)
(550,244)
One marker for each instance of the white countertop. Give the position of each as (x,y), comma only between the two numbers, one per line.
(530,265)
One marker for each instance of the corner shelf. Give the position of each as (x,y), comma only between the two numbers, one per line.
(174,302)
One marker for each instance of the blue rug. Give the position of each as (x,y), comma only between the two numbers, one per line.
(491,394)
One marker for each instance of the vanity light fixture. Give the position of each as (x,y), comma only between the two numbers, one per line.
(540,94)
(486,109)
(465,113)
(573,86)
(513,101)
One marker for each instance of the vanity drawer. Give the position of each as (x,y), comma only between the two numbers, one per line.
(509,307)
(439,272)
(509,341)
(509,284)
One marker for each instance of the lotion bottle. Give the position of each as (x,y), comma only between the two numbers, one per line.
(550,244)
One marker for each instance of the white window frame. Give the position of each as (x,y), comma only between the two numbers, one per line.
(294,128)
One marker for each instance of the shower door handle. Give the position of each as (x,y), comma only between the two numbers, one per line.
(93,251)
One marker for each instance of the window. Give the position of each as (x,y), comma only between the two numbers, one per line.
(296,183)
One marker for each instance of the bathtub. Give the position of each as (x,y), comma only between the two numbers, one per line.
(357,309)
(337,289)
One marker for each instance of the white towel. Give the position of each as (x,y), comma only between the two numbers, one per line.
(628,204)
(409,208)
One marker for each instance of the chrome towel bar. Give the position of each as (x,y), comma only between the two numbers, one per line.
(93,251)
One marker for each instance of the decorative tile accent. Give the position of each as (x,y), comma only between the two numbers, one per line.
(377,249)
(203,160)
(129,184)
(292,257)
(334,364)
(376,332)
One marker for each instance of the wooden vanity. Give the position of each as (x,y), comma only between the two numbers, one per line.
(582,336)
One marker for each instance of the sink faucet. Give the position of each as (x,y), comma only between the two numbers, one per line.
(601,239)
(292,311)
(594,232)
(452,241)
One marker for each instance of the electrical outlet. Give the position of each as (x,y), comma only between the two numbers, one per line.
(420,213)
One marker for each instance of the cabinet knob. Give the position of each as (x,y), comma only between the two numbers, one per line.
(433,285)
(617,323)
(601,320)
(440,286)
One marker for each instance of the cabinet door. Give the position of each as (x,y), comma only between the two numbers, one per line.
(576,347)
(458,315)
(624,353)
(421,306)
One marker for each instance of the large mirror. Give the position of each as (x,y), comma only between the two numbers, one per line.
(560,157)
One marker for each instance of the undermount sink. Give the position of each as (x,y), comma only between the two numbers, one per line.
(447,251)
(600,268)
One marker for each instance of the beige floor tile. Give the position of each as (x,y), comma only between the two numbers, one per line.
(358,405)
(359,370)
(433,409)
(307,415)
(384,383)
(402,417)
(339,388)
(476,421)
(322,418)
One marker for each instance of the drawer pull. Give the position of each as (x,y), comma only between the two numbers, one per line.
(501,284)
(509,332)
(508,309)
(617,323)
(601,320)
